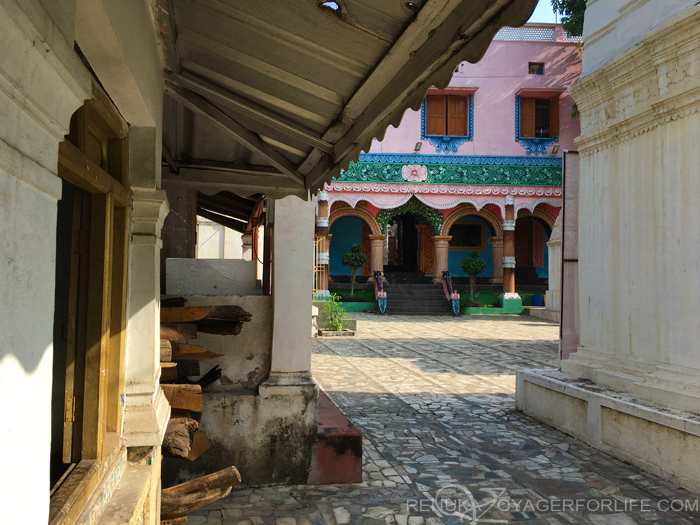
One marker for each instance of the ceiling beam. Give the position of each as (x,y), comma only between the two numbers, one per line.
(235,103)
(247,138)
(169,159)
(242,183)
(166,24)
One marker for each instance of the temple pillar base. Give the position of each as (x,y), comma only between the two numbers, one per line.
(511,303)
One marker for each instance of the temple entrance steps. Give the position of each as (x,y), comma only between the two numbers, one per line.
(414,294)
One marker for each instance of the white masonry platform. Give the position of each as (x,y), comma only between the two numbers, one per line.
(658,439)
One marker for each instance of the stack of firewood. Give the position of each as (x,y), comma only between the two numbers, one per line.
(180,360)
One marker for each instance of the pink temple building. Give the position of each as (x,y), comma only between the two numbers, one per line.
(478,166)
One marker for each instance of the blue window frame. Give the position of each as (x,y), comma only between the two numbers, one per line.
(533,145)
(447,143)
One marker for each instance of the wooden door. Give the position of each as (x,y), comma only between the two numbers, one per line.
(426,249)
(523,243)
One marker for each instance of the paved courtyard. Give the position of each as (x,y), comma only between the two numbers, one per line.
(434,399)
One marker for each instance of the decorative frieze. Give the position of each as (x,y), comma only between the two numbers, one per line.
(477,170)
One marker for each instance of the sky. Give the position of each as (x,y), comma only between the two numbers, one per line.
(543,13)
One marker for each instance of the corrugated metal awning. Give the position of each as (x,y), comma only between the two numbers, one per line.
(276,96)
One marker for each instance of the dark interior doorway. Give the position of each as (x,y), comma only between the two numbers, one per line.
(404,235)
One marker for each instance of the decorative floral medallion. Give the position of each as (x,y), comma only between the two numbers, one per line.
(412,173)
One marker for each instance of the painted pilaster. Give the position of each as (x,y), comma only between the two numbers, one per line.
(376,261)
(146,410)
(322,234)
(511,301)
(442,250)
(497,271)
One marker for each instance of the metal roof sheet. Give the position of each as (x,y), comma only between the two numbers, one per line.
(302,87)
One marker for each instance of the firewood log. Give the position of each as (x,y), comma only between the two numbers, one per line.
(166,350)
(183,396)
(185,498)
(189,314)
(219,327)
(178,331)
(177,440)
(188,351)
(176,521)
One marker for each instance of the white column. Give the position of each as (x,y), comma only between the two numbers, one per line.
(146,410)
(292,267)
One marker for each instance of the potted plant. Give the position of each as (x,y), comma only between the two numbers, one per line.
(472,266)
(355,259)
(335,317)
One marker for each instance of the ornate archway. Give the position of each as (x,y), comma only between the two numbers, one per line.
(432,216)
(345,210)
(469,209)
(540,213)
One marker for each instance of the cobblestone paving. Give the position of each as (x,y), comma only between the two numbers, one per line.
(443,444)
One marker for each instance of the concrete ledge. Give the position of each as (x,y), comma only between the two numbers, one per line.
(337,457)
(546,315)
(661,440)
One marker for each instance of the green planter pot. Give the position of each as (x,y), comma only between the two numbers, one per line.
(483,311)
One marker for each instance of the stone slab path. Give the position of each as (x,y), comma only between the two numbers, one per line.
(443,444)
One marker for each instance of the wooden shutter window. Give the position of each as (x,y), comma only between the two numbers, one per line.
(527,117)
(456,116)
(437,110)
(554,116)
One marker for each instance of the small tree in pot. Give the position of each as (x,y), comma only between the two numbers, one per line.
(473,266)
(355,259)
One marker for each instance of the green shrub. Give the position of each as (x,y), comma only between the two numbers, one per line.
(335,314)
(355,259)
(472,266)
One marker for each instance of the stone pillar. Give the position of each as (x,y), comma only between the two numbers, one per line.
(376,260)
(146,411)
(442,251)
(247,246)
(289,396)
(497,271)
(511,301)
(322,256)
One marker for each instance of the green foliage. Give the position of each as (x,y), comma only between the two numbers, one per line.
(473,265)
(572,13)
(355,259)
(335,314)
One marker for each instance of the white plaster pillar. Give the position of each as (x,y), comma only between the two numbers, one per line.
(292,284)
(442,251)
(247,246)
(146,410)
(497,271)
(553,302)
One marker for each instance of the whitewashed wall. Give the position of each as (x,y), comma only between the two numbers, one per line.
(217,242)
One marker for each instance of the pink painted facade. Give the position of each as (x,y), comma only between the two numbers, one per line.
(472,177)
(498,77)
